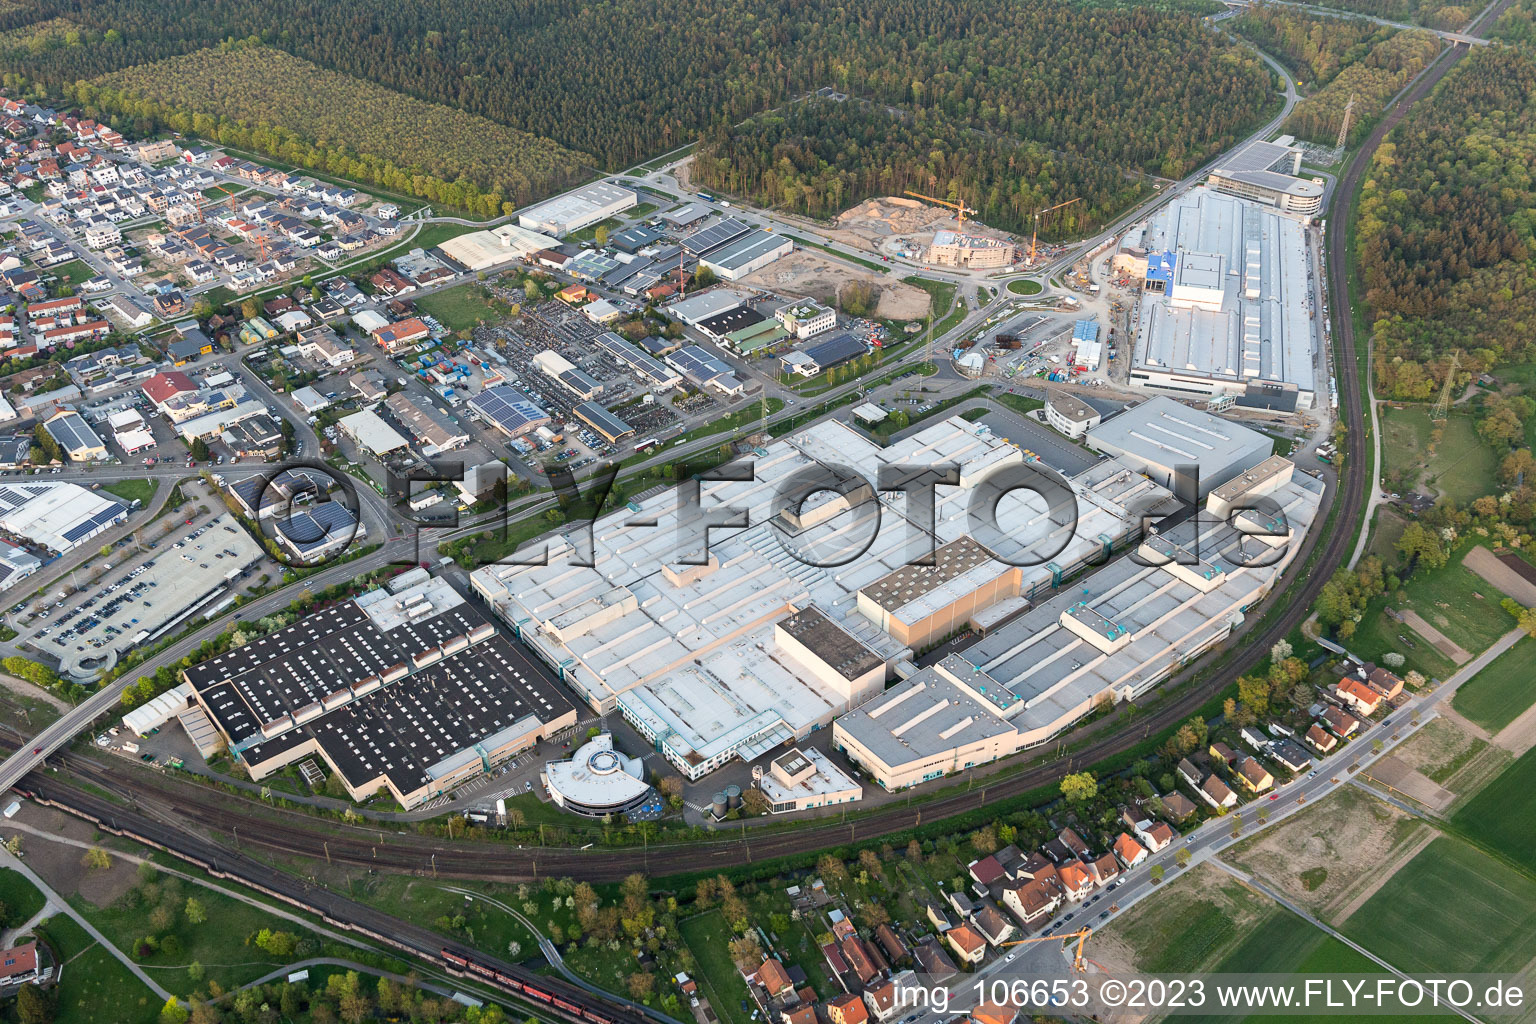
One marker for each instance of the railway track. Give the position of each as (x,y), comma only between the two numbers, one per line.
(579,1006)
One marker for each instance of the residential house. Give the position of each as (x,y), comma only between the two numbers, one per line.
(1155,837)
(890,943)
(938,916)
(1382,681)
(986,871)
(1254,775)
(1076,881)
(963,905)
(1358,695)
(76,332)
(1130,852)
(967,943)
(1321,741)
(19,966)
(1291,755)
(1032,900)
(993,925)
(774,979)
(391,282)
(1178,807)
(993,1013)
(862,960)
(1255,739)
(846,1009)
(1189,773)
(838,965)
(1216,793)
(1341,723)
(323,345)
(1223,753)
(1036,865)
(1105,869)
(880,1000)
(1074,842)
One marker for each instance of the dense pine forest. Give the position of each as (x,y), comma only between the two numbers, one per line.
(260,98)
(1333,59)
(819,157)
(1447,227)
(1314,47)
(1127,89)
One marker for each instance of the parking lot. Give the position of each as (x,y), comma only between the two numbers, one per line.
(1053,449)
(135,599)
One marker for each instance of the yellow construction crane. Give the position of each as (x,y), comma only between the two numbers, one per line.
(960,207)
(1040,213)
(1081,935)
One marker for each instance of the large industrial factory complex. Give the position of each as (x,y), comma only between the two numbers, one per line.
(720,643)
(1111,637)
(1226,305)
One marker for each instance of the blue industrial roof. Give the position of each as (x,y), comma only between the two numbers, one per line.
(1161,265)
(1085,330)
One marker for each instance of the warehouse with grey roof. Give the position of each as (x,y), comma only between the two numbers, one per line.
(1160,435)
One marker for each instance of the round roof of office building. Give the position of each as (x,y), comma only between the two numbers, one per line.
(597,777)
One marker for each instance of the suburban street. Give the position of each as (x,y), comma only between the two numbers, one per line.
(1053,960)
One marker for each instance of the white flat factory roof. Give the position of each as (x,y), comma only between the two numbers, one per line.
(1255,259)
(703,306)
(56,515)
(480,249)
(696,657)
(582,203)
(1166,432)
(826,780)
(929,714)
(1057,673)
(370,431)
(1032,677)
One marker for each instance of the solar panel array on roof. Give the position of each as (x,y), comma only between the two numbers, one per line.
(340,678)
(604,421)
(72,432)
(581,383)
(508,408)
(82,530)
(697,364)
(14,498)
(835,350)
(643,363)
(716,236)
(315,527)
